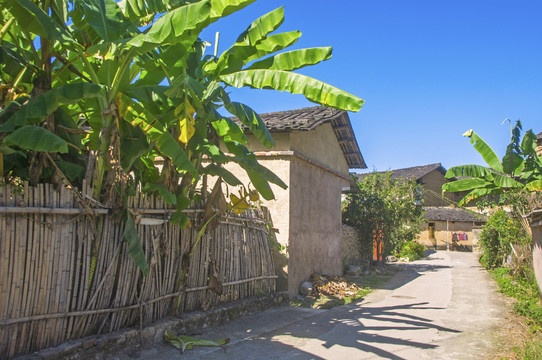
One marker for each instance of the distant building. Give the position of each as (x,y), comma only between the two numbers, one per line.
(429,177)
(445,226)
(448,228)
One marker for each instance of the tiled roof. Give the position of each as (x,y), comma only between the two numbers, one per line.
(437,213)
(416,172)
(309,118)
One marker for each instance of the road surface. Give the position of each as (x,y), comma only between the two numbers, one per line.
(442,307)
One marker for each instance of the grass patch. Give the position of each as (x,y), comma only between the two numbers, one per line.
(320,301)
(528,305)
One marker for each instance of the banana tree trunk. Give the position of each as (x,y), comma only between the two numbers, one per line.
(536,226)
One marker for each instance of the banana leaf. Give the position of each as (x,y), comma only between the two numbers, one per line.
(34,20)
(512,163)
(157,132)
(259,175)
(477,194)
(465,184)
(179,25)
(260,27)
(222,8)
(485,150)
(534,185)
(167,195)
(105,17)
(293,60)
(134,243)
(216,170)
(272,44)
(469,171)
(133,144)
(253,121)
(39,108)
(35,138)
(314,90)
(228,129)
(244,47)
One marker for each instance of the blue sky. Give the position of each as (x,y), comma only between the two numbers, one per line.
(428,71)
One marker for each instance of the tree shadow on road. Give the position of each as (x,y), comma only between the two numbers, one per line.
(369,329)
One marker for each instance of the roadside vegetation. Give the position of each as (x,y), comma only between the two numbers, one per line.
(412,250)
(505,241)
(505,252)
(387,211)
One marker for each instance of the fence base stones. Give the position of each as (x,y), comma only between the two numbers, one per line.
(106,346)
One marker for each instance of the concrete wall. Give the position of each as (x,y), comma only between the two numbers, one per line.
(442,234)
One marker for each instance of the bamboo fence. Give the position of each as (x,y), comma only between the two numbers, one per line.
(65,271)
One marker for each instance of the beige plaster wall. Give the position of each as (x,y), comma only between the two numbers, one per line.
(320,145)
(282,142)
(315,223)
(279,208)
(442,234)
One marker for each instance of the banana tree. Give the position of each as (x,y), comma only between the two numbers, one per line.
(123,95)
(520,168)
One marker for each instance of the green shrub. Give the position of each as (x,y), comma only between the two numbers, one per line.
(500,231)
(412,250)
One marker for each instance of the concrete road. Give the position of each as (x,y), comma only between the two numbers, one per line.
(443,307)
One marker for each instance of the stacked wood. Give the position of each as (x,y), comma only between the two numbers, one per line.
(65,271)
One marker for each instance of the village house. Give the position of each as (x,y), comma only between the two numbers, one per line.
(449,228)
(445,226)
(314,149)
(430,178)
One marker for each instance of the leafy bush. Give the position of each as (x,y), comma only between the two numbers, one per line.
(412,250)
(500,231)
(387,209)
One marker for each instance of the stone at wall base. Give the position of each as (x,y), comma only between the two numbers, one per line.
(306,288)
(354,270)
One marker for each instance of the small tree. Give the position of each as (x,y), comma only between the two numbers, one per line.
(386,210)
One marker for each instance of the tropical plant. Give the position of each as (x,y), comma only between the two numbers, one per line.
(520,168)
(122,94)
(384,210)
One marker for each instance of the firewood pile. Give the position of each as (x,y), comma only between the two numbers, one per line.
(333,286)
